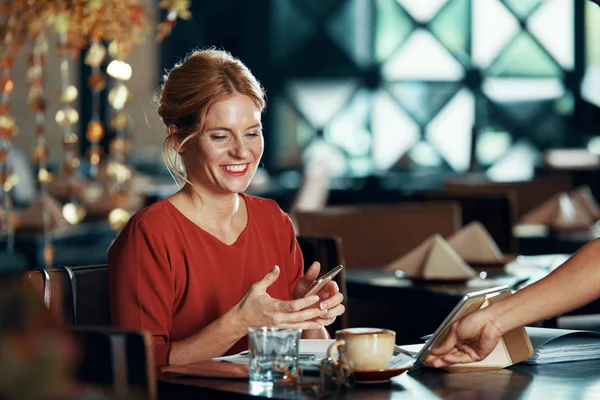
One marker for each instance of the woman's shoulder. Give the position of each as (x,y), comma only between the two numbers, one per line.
(267,214)
(157,214)
(262,205)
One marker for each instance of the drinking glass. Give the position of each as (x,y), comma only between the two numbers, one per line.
(274,355)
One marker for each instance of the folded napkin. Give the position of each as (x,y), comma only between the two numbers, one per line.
(560,212)
(583,195)
(474,243)
(433,259)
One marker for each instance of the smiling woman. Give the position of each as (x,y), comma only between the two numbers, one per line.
(201,267)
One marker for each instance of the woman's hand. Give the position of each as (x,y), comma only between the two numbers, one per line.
(257,308)
(330,297)
(472,338)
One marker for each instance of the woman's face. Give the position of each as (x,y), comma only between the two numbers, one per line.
(224,157)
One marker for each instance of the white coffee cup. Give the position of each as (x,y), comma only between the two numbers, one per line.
(363,349)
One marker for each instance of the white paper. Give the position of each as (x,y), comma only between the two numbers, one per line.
(318,348)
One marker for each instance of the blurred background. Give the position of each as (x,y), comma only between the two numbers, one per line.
(383,97)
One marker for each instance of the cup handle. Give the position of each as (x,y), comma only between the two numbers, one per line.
(332,348)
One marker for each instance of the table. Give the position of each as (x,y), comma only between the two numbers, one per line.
(574,380)
(377,298)
(83,244)
(536,239)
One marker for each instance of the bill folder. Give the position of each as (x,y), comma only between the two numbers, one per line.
(512,348)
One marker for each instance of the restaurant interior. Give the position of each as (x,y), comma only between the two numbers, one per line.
(434,148)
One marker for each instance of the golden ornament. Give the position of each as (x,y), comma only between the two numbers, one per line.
(66,117)
(97,81)
(119,121)
(69,94)
(95,131)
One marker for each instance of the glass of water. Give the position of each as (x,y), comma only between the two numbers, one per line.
(274,355)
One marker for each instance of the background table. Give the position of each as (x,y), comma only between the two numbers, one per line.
(377,298)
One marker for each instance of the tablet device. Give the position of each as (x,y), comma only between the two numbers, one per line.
(469,303)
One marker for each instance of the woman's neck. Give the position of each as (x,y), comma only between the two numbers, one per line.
(217,208)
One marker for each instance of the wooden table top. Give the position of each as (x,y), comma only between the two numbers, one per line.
(574,380)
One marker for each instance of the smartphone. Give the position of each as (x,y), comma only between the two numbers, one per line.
(322,281)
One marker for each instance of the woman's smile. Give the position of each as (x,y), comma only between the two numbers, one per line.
(235,169)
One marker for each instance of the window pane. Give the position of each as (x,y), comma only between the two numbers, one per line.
(488,43)
(362,166)
(318,100)
(538,120)
(592,34)
(591,80)
(293,133)
(522,8)
(517,165)
(423,100)
(451,26)
(290,28)
(422,10)
(425,155)
(590,85)
(392,27)
(450,131)
(521,89)
(320,6)
(348,130)
(523,57)
(422,57)
(491,145)
(553,25)
(326,156)
(394,132)
(351,29)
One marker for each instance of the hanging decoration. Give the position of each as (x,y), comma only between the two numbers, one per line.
(80,24)
(68,186)
(44,213)
(14,32)
(118,172)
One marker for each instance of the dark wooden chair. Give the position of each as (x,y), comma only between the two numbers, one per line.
(528,194)
(328,252)
(375,235)
(117,361)
(74,295)
(497,212)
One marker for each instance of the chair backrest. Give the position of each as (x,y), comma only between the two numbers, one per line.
(529,194)
(51,290)
(497,212)
(375,235)
(328,252)
(116,360)
(74,295)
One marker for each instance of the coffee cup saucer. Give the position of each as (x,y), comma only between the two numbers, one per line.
(378,375)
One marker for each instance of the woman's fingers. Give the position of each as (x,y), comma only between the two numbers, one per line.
(299,316)
(296,305)
(329,290)
(332,302)
(332,314)
(305,325)
(335,311)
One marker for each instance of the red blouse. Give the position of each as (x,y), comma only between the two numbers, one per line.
(172,278)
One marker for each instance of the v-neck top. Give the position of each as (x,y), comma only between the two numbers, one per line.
(172,278)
